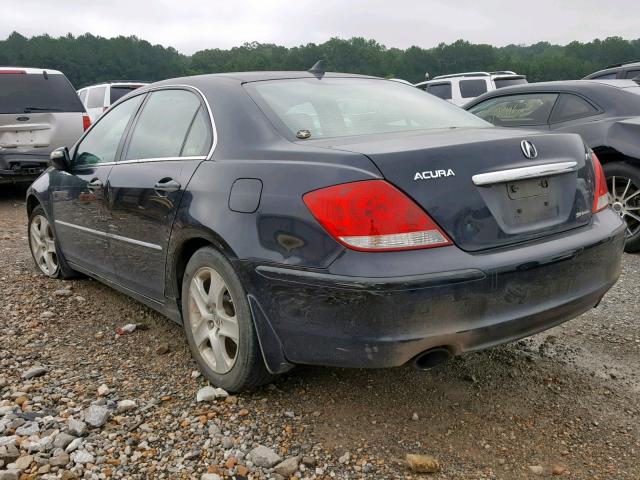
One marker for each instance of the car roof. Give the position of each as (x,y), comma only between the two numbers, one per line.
(244,77)
(564,85)
(612,69)
(32,71)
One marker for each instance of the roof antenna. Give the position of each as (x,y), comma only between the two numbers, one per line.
(45,74)
(317,69)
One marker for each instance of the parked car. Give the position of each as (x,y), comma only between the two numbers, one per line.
(628,70)
(331,219)
(97,98)
(606,113)
(39,112)
(459,88)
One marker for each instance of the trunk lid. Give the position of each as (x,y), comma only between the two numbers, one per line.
(479,186)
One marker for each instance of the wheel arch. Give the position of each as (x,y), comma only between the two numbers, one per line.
(32,202)
(182,248)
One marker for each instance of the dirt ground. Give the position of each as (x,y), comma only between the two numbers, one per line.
(564,403)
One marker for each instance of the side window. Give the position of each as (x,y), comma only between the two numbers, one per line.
(198,139)
(472,88)
(633,73)
(517,110)
(162,127)
(571,107)
(607,76)
(101,143)
(96,97)
(441,90)
(83,96)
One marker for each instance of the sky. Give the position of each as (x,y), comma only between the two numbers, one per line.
(192,25)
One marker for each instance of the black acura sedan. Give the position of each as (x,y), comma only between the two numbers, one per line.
(307,218)
(606,113)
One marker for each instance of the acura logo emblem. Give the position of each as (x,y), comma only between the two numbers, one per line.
(528,149)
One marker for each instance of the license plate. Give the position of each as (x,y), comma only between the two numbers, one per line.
(534,187)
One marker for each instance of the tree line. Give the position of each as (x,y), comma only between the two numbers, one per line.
(87,59)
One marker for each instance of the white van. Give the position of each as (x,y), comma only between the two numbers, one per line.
(460,88)
(97,98)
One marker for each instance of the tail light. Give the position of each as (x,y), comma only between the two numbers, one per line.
(13,72)
(86,121)
(373,215)
(601,196)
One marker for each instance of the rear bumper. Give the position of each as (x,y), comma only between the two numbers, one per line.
(463,301)
(21,168)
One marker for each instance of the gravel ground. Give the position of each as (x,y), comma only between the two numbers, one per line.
(77,401)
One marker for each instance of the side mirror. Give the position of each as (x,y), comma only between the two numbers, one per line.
(60,158)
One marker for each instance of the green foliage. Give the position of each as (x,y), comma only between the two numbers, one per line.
(88,59)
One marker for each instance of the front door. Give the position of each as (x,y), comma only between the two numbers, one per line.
(80,195)
(169,139)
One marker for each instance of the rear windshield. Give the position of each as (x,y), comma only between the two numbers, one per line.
(337,107)
(32,93)
(120,91)
(507,82)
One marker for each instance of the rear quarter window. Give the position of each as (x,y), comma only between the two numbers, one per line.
(508,82)
(571,107)
(472,88)
(440,90)
(24,93)
(117,92)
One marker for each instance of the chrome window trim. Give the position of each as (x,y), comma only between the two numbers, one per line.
(113,236)
(144,91)
(161,159)
(524,173)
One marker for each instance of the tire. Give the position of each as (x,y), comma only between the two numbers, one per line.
(227,351)
(627,182)
(44,247)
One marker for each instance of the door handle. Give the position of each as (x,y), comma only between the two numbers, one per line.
(95,183)
(167,185)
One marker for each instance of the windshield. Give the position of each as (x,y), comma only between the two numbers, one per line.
(25,93)
(337,107)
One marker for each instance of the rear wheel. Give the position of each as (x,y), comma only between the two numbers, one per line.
(218,323)
(44,248)
(623,181)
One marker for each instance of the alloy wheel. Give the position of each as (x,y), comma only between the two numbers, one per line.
(43,246)
(213,321)
(624,197)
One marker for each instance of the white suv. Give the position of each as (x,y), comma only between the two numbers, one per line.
(460,88)
(97,98)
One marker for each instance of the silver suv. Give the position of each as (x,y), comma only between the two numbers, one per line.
(39,112)
(460,88)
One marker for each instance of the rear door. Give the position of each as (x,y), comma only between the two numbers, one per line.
(170,138)
(79,196)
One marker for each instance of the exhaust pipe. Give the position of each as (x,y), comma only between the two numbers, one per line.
(431,358)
